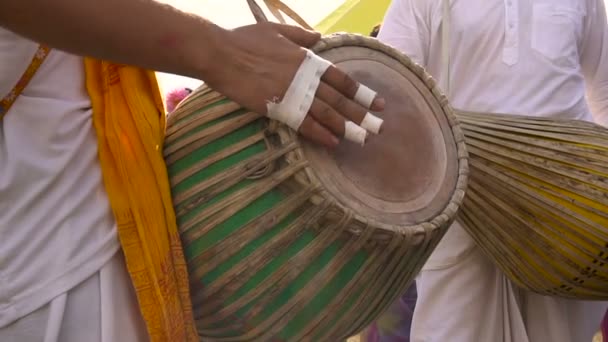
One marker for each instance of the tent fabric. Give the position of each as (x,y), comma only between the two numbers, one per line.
(354,16)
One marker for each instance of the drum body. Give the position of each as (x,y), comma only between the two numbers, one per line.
(537,201)
(286,241)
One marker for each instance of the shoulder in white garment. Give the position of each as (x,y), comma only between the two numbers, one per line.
(505,55)
(56,225)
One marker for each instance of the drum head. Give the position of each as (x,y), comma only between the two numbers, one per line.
(407,174)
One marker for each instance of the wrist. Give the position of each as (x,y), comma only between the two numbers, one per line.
(209,50)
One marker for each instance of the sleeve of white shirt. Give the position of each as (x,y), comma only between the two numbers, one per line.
(595,61)
(404,29)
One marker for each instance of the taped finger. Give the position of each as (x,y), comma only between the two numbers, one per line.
(298,99)
(355,133)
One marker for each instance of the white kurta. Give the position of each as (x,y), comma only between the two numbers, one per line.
(58,240)
(532,57)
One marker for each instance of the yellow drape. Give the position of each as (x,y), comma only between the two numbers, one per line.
(129,119)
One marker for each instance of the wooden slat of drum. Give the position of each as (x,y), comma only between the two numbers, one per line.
(533,127)
(234,203)
(536,192)
(200,98)
(363,311)
(236,277)
(525,238)
(193,122)
(323,319)
(550,197)
(525,186)
(532,202)
(255,229)
(540,123)
(186,145)
(579,156)
(548,166)
(289,271)
(494,245)
(218,183)
(222,250)
(537,133)
(219,253)
(286,273)
(522,229)
(322,279)
(563,229)
(179,177)
(402,274)
(388,257)
(557,176)
(399,264)
(490,242)
(354,282)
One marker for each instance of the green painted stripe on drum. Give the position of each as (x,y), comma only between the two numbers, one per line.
(324,297)
(300,281)
(197,113)
(263,274)
(216,168)
(213,147)
(269,269)
(328,324)
(235,223)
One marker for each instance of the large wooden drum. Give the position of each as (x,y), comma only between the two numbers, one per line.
(286,241)
(537,202)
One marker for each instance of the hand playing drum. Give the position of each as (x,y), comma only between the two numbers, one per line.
(265,67)
(280,77)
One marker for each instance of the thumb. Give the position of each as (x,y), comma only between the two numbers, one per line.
(298,35)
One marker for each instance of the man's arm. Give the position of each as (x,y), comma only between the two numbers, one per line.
(404,28)
(251,65)
(595,61)
(135,32)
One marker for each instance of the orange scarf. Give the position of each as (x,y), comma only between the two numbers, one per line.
(129,119)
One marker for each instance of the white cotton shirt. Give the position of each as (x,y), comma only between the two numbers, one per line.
(529,57)
(56,225)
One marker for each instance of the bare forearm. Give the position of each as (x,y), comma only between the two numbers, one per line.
(137,32)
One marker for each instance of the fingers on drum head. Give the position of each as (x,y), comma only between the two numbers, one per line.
(318,133)
(351,98)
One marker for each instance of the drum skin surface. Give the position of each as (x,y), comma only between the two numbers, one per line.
(286,241)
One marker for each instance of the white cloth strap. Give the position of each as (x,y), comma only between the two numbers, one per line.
(301,92)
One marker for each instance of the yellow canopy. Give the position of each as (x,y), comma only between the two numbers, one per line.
(354,16)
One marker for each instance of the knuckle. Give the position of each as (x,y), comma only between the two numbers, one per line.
(325,113)
(341,103)
(350,85)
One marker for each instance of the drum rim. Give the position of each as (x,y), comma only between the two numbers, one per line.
(445,217)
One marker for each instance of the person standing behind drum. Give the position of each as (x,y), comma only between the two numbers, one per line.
(82,177)
(531,57)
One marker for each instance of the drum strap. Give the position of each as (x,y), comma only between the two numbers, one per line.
(445,58)
(7,102)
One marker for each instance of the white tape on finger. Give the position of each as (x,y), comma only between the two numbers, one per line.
(372,123)
(301,92)
(354,133)
(365,96)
